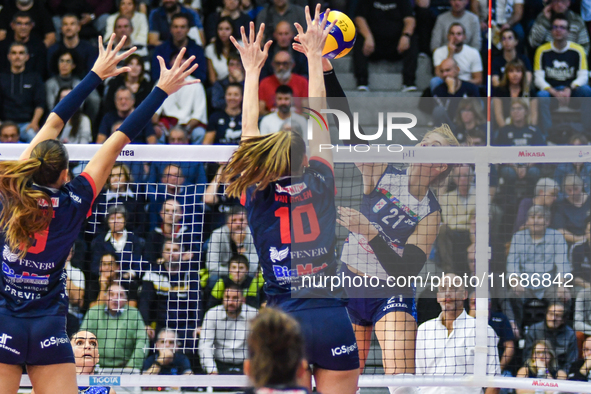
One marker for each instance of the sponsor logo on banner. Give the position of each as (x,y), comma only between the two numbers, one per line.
(278,255)
(524,153)
(104,380)
(540,383)
(127,152)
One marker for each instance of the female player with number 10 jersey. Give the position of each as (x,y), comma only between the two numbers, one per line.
(293,216)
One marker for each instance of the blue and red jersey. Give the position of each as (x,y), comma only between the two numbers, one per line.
(36,284)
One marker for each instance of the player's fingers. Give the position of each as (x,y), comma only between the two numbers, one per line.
(100,45)
(308,17)
(251,36)
(192,82)
(299,28)
(162,64)
(267,46)
(187,63)
(317,16)
(298,48)
(236,44)
(327,30)
(243,34)
(110,43)
(190,70)
(259,38)
(120,45)
(126,54)
(121,71)
(179,58)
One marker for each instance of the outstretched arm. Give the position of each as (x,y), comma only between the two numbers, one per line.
(104,67)
(253,60)
(170,81)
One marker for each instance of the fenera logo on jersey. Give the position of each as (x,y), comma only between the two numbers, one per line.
(291,189)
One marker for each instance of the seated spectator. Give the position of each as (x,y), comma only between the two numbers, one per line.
(560,70)
(23,102)
(509,42)
(231,10)
(457,14)
(124,106)
(283,37)
(453,332)
(580,169)
(560,336)
(514,84)
(218,203)
(238,274)
(469,120)
(78,129)
(9,133)
(542,29)
(172,228)
(385,32)
(161,19)
(218,51)
(70,39)
(509,16)
(571,212)
(282,75)
(179,38)
(127,246)
(582,318)
(467,59)
(581,260)
(544,195)
(43,28)
(128,9)
(541,363)
(225,127)
(580,370)
(118,351)
(519,132)
(280,10)
(22,25)
(282,114)
(232,238)
(222,345)
(235,75)
(135,81)
(167,359)
(124,28)
(186,108)
(110,272)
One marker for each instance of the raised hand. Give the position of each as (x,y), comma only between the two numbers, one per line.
(108,59)
(172,80)
(311,42)
(356,222)
(253,57)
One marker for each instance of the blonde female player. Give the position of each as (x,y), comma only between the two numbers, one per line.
(292,216)
(41,217)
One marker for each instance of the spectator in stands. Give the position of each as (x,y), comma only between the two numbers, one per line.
(78,129)
(232,238)
(581,260)
(238,274)
(542,29)
(519,132)
(283,37)
(70,39)
(509,15)
(561,337)
(222,346)
(218,202)
(93,15)
(457,14)
(218,51)
(161,20)
(123,28)
(446,94)
(544,195)
(167,359)
(280,10)
(581,169)
(560,70)
(127,246)
(231,10)
(225,127)
(172,228)
(537,249)
(135,80)
(128,9)
(179,38)
(282,75)
(541,363)
(22,94)
(581,369)
(22,25)
(514,84)
(186,108)
(453,332)
(43,26)
(467,59)
(110,273)
(118,351)
(235,75)
(386,31)
(509,42)
(9,133)
(469,119)
(124,106)
(273,122)
(571,212)
(582,318)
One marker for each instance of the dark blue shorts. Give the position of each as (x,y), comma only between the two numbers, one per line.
(330,340)
(34,340)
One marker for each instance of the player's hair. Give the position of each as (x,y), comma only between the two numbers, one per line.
(531,364)
(262,160)
(21,216)
(516,64)
(275,348)
(445,131)
(239,259)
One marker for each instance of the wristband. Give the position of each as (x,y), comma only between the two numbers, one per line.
(141,116)
(72,102)
(410,263)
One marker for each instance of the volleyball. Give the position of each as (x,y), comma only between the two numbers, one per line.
(341,38)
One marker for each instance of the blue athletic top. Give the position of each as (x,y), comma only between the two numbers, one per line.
(293,223)
(395,213)
(36,285)
(94,390)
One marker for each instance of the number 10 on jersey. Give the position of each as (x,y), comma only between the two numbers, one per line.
(297,214)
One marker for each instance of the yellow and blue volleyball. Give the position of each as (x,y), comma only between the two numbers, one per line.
(341,38)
